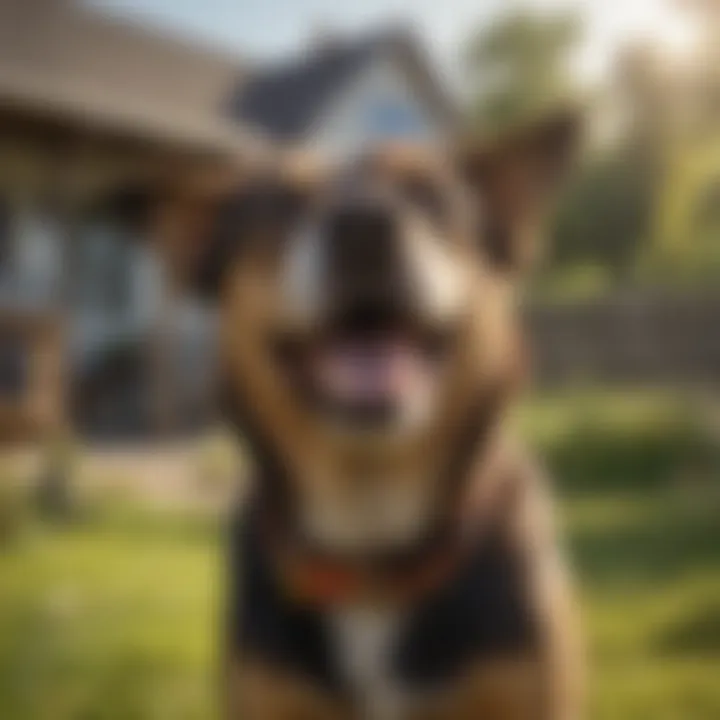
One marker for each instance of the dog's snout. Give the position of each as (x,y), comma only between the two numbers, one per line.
(367,273)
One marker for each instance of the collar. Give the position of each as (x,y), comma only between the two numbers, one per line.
(313,576)
(324,579)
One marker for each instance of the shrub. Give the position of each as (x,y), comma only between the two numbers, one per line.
(15,508)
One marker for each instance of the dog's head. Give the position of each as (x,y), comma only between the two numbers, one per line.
(368,306)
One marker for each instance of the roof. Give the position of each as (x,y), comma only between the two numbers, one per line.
(100,111)
(284,100)
(60,58)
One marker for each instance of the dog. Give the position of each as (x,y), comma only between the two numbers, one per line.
(396,559)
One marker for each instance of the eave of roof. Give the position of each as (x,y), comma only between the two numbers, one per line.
(96,109)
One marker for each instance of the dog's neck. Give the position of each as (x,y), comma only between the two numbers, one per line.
(369,514)
(383,558)
(375,508)
(385,512)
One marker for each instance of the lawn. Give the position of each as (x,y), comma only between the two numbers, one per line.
(110,621)
(115,617)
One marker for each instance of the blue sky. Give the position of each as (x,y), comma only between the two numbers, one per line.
(263,28)
(271,28)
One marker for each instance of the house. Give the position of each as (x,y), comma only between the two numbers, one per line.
(95,116)
(343,94)
(98,119)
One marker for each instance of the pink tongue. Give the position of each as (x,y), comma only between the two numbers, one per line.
(367,372)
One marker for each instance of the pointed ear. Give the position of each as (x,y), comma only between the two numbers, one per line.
(187,222)
(210,222)
(515,181)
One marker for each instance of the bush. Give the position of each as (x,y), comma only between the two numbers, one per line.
(15,508)
(622,440)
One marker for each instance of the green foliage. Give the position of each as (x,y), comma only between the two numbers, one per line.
(643,206)
(606,213)
(16,513)
(686,236)
(576,282)
(624,440)
(518,67)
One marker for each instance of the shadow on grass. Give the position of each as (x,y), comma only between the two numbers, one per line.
(693,635)
(141,522)
(600,441)
(592,458)
(652,545)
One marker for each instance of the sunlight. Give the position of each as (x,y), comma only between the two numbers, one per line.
(673,29)
(609,25)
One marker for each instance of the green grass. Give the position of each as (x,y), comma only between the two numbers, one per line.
(116,618)
(648,564)
(109,622)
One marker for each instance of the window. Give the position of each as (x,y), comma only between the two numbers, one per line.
(107,254)
(38,257)
(390,117)
(104,267)
(5,235)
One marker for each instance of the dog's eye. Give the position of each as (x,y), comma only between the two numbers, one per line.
(274,206)
(425,195)
(263,214)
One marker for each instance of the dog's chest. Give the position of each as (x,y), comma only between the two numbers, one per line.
(389,661)
(364,642)
(368,516)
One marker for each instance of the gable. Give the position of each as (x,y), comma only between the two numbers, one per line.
(284,101)
(381,103)
(345,93)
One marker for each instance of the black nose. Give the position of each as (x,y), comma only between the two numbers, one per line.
(367,272)
(363,245)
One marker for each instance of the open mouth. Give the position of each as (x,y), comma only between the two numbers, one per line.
(368,368)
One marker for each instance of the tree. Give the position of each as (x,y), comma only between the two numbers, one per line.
(518,67)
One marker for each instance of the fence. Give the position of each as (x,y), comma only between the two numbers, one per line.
(648,338)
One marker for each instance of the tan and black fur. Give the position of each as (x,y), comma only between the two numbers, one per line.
(465,228)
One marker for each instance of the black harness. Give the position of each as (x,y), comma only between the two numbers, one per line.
(482,612)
